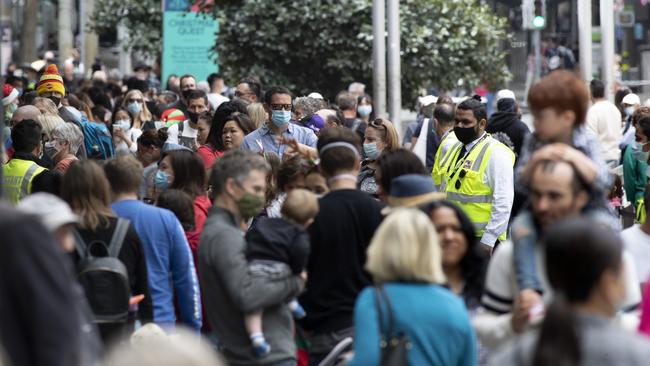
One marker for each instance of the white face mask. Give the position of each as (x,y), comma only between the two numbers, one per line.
(629,111)
(124,124)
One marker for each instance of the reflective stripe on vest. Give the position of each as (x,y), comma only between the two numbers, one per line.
(27,180)
(473,195)
(441,160)
(18,176)
(640,211)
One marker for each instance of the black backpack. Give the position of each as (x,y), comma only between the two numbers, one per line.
(104,277)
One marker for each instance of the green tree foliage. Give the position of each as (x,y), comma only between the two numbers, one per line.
(325,44)
(141,18)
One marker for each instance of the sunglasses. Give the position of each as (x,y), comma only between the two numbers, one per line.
(132,100)
(278,107)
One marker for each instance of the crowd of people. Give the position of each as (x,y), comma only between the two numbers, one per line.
(206,224)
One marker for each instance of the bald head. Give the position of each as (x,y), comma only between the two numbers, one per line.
(25,112)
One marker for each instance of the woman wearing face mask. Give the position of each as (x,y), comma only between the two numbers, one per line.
(184,170)
(380,136)
(578,328)
(150,146)
(134,103)
(125,134)
(364,108)
(65,141)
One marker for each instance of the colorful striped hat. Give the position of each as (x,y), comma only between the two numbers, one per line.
(51,81)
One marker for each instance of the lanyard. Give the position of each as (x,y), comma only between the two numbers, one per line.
(460,161)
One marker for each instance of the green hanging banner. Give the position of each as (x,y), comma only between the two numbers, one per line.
(188,38)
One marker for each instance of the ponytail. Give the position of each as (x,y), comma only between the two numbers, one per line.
(559,341)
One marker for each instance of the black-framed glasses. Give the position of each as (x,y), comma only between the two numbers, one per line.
(241,94)
(279,107)
(461,175)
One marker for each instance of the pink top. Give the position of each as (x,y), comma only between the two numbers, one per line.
(644,325)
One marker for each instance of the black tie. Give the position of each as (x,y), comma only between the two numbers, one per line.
(463,151)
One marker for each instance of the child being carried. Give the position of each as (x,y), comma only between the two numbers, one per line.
(278,246)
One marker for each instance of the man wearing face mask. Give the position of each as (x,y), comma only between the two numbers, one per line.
(187,84)
(51,86)
(478,174)
(630,103)
(185,133)
(229,289)
(10,100)
(278,105)
(25,172)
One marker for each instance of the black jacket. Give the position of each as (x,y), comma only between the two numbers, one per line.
(510,124)
(278,240)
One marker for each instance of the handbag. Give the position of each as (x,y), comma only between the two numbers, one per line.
(393,347)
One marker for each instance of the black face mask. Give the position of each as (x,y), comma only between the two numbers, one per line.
(56,100)
(194,117)
(466,135)
(186,93)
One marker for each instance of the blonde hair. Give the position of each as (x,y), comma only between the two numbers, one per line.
(257,113)
(388,133)
(405,248)
(49,122)
(300,206)
(144,114)
(46,106)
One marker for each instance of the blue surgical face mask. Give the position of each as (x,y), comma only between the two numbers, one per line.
(134,107)
(280,118)
(364,110)
(161,181)
(371,151)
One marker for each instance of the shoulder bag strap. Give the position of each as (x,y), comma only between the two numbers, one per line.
(389,310)
(380,315)
(79,244)
(117,239)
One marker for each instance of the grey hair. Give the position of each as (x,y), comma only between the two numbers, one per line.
(308,105)
(71,133)
(235,164)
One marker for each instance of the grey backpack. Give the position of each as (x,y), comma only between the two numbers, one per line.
(104,277)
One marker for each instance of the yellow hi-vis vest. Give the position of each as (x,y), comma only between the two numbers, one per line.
(640,211)
(17,177)
(464,181)
(437,173)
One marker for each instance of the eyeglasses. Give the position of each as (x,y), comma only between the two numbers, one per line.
(133,100)
(278,107)
(241,94)
(461,175)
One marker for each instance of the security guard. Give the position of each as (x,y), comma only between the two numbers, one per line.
(478,173)
(24,170)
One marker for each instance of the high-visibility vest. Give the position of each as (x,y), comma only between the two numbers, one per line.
(17,178)
(640,211)
(442,157)
(464,182)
